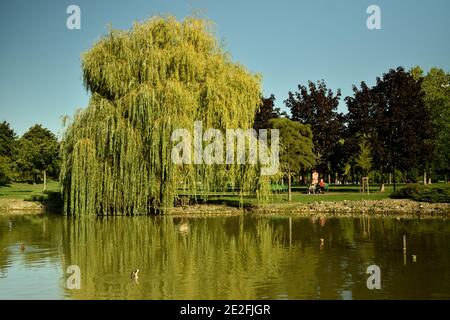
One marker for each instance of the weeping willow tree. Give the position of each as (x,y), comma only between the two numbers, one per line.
(159,76)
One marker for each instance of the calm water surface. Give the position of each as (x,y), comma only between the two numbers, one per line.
(239,257)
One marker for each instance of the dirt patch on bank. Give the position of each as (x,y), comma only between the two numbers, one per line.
(16,206)
(387,207)
(205,209)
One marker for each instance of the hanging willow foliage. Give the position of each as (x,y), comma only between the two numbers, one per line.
(159,76)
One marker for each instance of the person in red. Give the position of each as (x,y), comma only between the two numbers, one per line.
(322,186)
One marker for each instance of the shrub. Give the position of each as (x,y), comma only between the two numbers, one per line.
(433,193)
(410,191)
(48,198)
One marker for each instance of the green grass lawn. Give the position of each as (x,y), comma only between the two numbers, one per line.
(24,191)
(374,188)
(302,198)
(334,194)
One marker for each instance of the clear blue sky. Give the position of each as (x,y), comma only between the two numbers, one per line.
(288,41)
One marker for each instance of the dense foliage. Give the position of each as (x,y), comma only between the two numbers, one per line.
(38,154)
(297,150)
(430,193)
(266,112)
(392,117)
(160,76)
(31,157)
(164,75)
(317,105)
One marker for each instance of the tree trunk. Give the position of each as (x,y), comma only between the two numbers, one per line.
(329,178)
(429,180)
(382,187)
(390,178)
(45,180)
(289,186)
(424,177)
(393,173)
(353,175)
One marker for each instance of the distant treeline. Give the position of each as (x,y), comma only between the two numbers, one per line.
(397,130)
(31,158)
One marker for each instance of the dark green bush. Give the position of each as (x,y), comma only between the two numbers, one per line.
(37,198)
(433,193)
(48,198)
(410,191)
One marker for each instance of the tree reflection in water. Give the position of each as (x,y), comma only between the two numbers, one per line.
(240,257)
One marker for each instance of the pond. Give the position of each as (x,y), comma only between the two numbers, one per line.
(235,257)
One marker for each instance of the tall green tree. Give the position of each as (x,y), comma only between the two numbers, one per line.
(364,159)
(146,82)
(297,149)
(393,116)
(427,152)
(6,170)
(402,121)
(436,87)
(8,141)
(38,153)
(360,126)
(317,105)
(359,116)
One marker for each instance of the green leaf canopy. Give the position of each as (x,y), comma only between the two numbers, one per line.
(159,76)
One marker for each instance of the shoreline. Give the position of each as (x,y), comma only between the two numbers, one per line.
(20,207)
(386,208)
(382,208)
